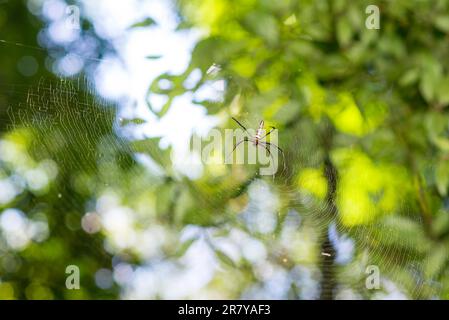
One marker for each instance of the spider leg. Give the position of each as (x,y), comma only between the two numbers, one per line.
(272,129)
(266,148)
(269,152)
(237,144)
(241,125)
(245,139)
(268,144)
(272,144)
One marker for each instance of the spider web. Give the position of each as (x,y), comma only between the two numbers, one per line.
(278,221)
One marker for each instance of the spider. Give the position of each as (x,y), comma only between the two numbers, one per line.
(257,139)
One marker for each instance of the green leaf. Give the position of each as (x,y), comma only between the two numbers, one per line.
(212,107)
(224,258)
(409,77)
(442,177)
(183,25)
(165,199)
(184,247)
(427,86)
(151,147)
(344,32)
(430,78)
(435,261)
(443,91)
(144,23)
(263,25)
(125,122)
(154,57)
(442,23)
(169,85)
(440,224)
(212,50)
(436,126)
(401,232)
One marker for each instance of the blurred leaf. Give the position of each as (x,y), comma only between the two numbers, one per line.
(442,23)
(223,257)
(344,32)
(442,177)
(147,22)
(430,78)
(409,77)
(184,25)
(184,247)
(263,25)
(443,91)
(137,121)
(427,85)
(212,107)
(440,223)
(150,146)
(154,57)
(313,180)
(166,199)
(435,261)
(401,233)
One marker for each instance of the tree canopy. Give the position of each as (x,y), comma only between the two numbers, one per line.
(361,116)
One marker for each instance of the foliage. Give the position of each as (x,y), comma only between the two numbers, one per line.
(362,119)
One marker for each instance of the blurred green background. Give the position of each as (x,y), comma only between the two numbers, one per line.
(362,119)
